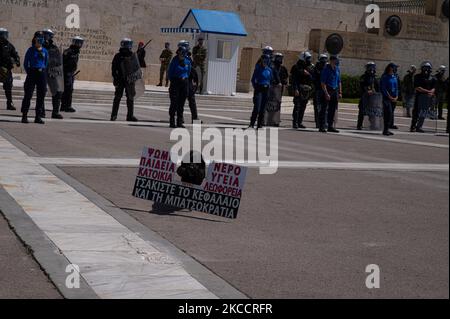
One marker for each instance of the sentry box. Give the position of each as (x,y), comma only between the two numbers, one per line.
(221,32)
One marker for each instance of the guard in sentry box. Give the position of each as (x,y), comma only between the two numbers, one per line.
(55,74)
(125,67)
(35,65)
(8,58)
(71,57)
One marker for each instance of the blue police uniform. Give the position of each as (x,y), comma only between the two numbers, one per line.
(389,88)
(35,65)
(332,79)
(261,81)
(179,71)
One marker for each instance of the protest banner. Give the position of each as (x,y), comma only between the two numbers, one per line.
(219,194)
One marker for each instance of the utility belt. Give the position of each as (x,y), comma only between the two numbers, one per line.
(262,87)
(37,70)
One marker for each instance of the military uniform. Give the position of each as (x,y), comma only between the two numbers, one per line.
(70,64)
(200,54)
(165,57)
(8,57)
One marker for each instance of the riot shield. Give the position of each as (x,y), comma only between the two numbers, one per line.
(139,88)
(55,75)
(273,108)
(424,104)
(131,69)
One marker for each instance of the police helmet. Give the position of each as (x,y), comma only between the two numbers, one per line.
(182,50)
(371,65)
(48,34)
(4,34)
(413,68)
(268,50)
(426,66)
(279,57)
(126,43)
(78,41)
(442,69)
(323,57)
(305,56)
(185,44)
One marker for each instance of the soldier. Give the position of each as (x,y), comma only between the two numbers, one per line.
(425,85)
(261,81)
(141,55)
(301,76)
(55,76)
(318,68)
(179,71)
(35,65)
(409,91)
(390,90)
(165,58)
(8,58)
(330,79)
(280,80)
(369,85)
(70,65)
(199,54)
(441,90)
(125,70)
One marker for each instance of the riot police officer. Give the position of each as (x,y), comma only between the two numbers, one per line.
(179,71)
(8,58)
(70,65)
(35,65)
(441,90)
(409,91)
(55,76)
(369,85)
(280,80)
(318,68)
(122,70)
(302,81)
(425,85)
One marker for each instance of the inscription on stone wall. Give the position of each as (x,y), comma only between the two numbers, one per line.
(97,44)
(32,3)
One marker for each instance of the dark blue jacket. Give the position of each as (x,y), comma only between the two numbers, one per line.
(35,59)
(178,69)
(262,76)
(331,77)
(389,85)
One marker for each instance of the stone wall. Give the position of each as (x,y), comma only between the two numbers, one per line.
(284,24)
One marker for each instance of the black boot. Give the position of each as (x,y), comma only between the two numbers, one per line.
(172,122)
(38,120)
(180,122)
(9,101)
(56,101)
(25,118)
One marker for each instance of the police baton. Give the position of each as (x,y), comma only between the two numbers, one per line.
(76,73)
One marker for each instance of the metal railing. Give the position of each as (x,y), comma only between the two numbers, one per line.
(403,6)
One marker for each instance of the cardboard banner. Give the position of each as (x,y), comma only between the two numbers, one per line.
(219,193)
